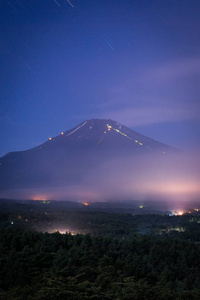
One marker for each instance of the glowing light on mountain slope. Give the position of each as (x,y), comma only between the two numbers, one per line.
(121,133)
(100,140)
(109,127)
(124,134)
(50,139)
(62,133)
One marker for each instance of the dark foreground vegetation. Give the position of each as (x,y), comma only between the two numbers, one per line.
(55,266)
(125,257)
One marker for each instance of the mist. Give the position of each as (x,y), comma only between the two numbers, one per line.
(170,179)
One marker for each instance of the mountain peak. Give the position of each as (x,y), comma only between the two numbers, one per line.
(111,133)
(68,157)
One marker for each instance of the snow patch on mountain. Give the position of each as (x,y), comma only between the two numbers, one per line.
(77,128)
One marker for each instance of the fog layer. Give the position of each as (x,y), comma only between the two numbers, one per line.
(173,178)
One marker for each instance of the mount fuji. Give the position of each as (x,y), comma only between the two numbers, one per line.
(75,156)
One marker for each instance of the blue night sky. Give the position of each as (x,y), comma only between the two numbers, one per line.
(134,61)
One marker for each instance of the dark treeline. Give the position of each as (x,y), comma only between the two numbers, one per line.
(54,266)
(47,216)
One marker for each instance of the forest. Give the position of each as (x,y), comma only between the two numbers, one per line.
(120,256)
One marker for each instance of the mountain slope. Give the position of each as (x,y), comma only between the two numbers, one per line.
(66,159)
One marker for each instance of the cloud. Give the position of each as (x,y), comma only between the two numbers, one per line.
(173,70)
(146,115)
(158,94)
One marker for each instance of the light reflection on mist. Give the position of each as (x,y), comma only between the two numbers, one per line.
(61,230)
(171,178)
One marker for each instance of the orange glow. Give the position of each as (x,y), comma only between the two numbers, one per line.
(180,213)
(164,152)
(108,129)
(26,220)
(104,131)
(50,139)
(177,212)
(40,198)
(62,133)
(86,203)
